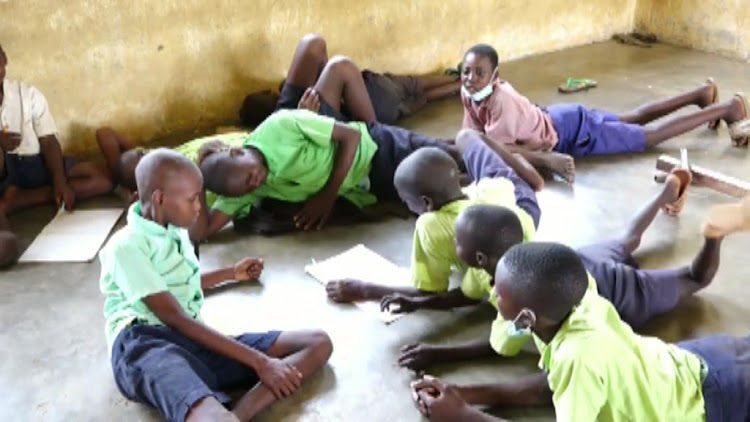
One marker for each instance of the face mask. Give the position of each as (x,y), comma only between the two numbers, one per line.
(521,325)
(482,93)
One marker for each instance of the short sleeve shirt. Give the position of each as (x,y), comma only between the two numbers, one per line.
(142,259)
(25,111)
(434,249)
(300,155)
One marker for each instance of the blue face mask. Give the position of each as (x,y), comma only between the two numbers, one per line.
(521,325)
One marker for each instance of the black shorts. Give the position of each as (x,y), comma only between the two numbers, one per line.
(291,94)
(29,171)
(393,96)
(156,365)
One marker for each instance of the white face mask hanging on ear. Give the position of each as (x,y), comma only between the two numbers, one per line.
(484,92)
(521,325)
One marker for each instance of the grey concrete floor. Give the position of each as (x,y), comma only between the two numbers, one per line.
(53,358)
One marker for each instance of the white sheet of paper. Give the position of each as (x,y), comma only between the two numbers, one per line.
(73,236)
(363,264)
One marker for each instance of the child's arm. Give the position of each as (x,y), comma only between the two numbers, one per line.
(244,270)
(317,209)
(532,390)
(210,221)
(443,301)
(53,158)
(522,168)
(418,357)
(442,402)
(278,376)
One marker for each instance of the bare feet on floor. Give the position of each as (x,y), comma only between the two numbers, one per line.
(671,191)
(737,120)
(709,97)
(561,164)
(346,291)
(726,219)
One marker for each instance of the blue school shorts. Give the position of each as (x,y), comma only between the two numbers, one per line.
(638,295)
(29,171)
(582,131)
(394,145)
(726,388)
(156,365)
(291,94)
(482,162)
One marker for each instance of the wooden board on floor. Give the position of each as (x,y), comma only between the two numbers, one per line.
(708,178)
(363,264)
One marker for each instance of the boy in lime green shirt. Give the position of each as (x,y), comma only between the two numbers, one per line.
(161,352)
(428,181)
(299,157)
(595,367)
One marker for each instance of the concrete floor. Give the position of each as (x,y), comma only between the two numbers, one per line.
(53,358)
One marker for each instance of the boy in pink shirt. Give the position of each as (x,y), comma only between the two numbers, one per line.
(548,137)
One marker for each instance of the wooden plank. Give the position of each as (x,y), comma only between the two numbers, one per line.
(707,177)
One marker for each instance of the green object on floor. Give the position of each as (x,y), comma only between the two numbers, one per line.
(576,85)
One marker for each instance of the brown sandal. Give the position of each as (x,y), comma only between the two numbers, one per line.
(686,177)
(739,131)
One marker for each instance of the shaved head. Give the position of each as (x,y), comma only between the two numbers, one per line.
(161,169)
(428,172)
(488,230)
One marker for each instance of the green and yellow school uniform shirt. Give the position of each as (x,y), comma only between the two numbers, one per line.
(600,370)
(142,259)
(434,251)
(300,154)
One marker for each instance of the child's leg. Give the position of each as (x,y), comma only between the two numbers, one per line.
(561,164)
(439,86)
(702,96)
(730,111)
(308,351)
(9,246)
(309,59)
(631,238)
(112,144)
(341,82)
(88,180)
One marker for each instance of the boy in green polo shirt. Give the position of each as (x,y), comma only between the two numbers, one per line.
(428,181)
(301,157)
(595,367)
(161,352)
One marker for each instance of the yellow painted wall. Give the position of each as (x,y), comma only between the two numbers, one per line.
(152,67)
(721,26)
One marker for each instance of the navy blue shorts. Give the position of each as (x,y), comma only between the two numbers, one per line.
(154,364)
(394,145)
(582,131)
(30,171)
(291,94)
(482,162)
(726,389)
(638,295)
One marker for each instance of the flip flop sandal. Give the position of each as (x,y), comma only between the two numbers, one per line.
(686,177)
(576,85)
(713,125)
(739,131)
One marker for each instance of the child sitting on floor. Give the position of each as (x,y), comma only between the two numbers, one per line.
(548,136)
(595,366)
(161,352)
(428,181)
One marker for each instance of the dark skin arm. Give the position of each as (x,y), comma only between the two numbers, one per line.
(398,303)
(209,221)
(53,158)
(442,402)
(526,172)
(419,357)
(245,270)
(531,390)
(317,209)
(278,376)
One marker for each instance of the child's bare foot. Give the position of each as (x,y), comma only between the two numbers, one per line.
(710,96)
(737,120)
(671,191)
(346,291)
(683,177)
(726,219)
(561,164)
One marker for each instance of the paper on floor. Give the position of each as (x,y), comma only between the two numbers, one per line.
(73,236)
(363,264)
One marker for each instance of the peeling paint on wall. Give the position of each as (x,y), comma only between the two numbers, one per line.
(149,68)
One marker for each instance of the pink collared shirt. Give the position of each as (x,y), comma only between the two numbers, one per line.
(510,118)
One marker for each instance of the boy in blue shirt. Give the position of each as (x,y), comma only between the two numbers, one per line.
(161,352)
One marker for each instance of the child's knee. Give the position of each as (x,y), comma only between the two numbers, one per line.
(314,44)
(342,65)
(321,345)
(104,134)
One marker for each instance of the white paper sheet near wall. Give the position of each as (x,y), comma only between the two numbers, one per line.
(363,264)
(73,236)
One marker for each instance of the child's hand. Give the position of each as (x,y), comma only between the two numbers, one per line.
(9,141)
(417,356)
(64,194)
(439,401)
(397,303)
(316,210)
(309,101)
(280,377)
(248,269)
